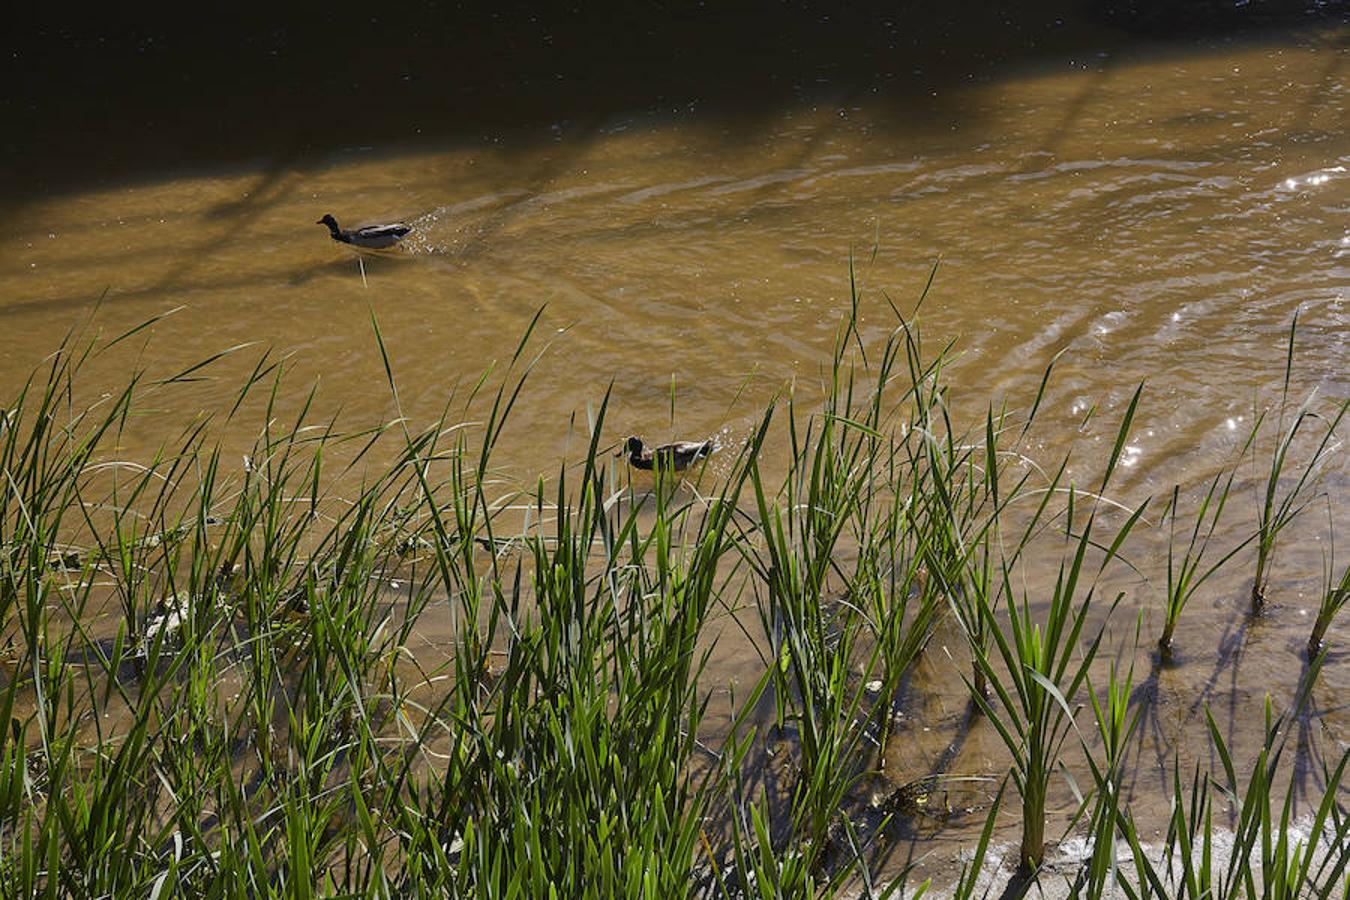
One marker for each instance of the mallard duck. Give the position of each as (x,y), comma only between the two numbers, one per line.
(372,237)
(674,457)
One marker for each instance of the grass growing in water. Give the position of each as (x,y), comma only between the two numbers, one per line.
(214,683)
(1272,854)
(1186,572)
(1279,507)
(1334,598)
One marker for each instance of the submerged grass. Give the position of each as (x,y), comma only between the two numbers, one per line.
(214,681)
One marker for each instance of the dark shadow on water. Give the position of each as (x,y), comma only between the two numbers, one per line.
(233,220)
(345,266)
(107,95)
(1311,760)
(903,828)
(1232,646)
(1306,715)
(1157,732)
(1152,728)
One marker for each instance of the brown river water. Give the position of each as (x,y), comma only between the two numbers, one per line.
(1154,211)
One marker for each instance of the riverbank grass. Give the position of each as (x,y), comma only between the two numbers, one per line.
(221,677)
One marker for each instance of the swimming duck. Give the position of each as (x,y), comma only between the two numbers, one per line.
(674,457)
(372,237)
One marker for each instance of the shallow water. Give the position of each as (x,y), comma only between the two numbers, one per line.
(1154,212)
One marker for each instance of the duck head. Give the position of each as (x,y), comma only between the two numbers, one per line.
(330,222)
(632,448)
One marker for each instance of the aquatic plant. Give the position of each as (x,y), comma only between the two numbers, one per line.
(1186,572)
(1115,728)
(361,660)
(1272,854)
(1279,507)
(1042,662)
(1335,595)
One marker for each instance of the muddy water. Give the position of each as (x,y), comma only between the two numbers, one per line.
(1155,214)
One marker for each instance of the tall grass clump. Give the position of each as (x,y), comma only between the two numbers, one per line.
(578,783)
(844,608)
(1281,502)
(1335,592)
(961,482)
(1186,570)
(1335,595)
(1038,664)
(1115,728)
(569,766)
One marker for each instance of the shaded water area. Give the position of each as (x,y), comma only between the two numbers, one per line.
(1153,210)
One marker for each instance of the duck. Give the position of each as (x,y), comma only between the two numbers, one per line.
(371,237)
(675,457)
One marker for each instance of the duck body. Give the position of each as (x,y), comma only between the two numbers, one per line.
(674,457)
(370,237)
